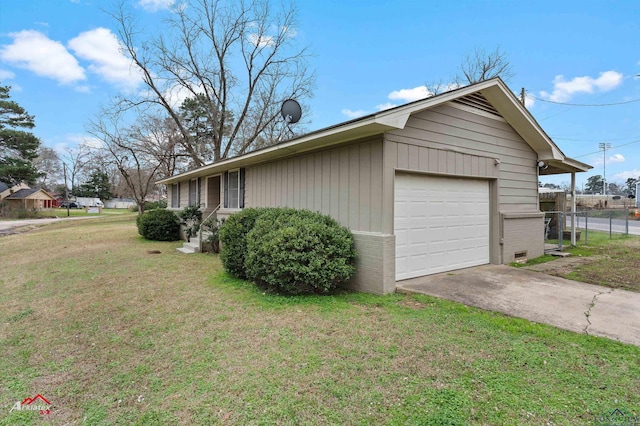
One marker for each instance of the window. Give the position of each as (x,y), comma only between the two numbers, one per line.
(175,195)
(234,189)
(194,192)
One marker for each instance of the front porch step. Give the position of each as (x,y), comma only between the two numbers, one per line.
(190,247)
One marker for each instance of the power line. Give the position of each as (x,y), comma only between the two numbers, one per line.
(615,147)
(583,105)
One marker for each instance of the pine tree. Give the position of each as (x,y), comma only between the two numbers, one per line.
(18,148)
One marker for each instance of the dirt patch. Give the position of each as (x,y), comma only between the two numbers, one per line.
(562,265)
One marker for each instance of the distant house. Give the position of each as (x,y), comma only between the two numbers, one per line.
(28,198)
(6,190)
(120,203)
(439,184)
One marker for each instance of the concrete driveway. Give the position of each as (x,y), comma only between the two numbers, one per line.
(571,305)
(8,227)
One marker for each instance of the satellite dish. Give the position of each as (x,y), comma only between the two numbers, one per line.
(291,111)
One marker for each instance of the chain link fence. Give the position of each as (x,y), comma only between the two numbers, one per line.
(557,225)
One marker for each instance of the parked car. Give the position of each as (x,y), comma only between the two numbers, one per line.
(70,204)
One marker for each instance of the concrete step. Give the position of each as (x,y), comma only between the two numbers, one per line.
(190,247)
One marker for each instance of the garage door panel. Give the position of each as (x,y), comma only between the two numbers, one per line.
(441,224)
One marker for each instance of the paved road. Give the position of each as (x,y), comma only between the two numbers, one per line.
(8,227)
(618,226)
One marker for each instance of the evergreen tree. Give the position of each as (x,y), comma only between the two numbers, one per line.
(18,148)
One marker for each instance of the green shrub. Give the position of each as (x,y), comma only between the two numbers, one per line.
(233,235)
(299,251)
(159,225)
(191,216)
(211,232)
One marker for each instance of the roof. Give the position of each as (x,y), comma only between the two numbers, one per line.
(495,91)
(28,193)
(3,186)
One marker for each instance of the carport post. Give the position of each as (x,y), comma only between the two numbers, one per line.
(573,208)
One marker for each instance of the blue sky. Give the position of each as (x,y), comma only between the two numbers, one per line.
(60,57)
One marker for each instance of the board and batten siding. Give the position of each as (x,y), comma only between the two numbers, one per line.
(344,182)
(184,193)
(454,140)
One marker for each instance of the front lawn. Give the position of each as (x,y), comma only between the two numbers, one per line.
(112,332)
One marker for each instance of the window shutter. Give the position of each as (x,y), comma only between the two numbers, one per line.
(241,194)
(226,190)
(199,190)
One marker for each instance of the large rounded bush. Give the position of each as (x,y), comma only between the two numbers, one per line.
(233,235)
(159,225)
(299,251)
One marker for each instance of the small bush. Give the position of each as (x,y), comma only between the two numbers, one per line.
(191,216)
(233,235)
(159,225)
(211,230)
(299,251)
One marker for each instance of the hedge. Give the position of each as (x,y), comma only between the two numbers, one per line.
(159,225)
(299,251)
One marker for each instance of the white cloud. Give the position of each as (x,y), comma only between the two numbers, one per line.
(409,95)
(617,158)
(102,48)
(261,41)
(529,101)
(623,176)
(34,51)
(386,105)
(155,5)
(563,90)
(354,114)
(6,75)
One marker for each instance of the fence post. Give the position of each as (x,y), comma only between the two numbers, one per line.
(626,222)
(586,228)
(560,230)
(610,223)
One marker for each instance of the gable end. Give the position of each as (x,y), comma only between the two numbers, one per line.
(478,102)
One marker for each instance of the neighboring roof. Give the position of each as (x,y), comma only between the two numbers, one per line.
(28,193)
(494,90)
(3,186)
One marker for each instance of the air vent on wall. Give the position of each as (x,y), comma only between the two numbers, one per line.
(476,100)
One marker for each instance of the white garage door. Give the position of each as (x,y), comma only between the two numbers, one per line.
(441,224)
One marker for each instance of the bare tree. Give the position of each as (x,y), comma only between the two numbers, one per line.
(49,166)
(239,59)
(481,65)
(130,150)
(477,66)
(76,160)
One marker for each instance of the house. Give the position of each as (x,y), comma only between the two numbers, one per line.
(27,198)
(439,184)
(6,190)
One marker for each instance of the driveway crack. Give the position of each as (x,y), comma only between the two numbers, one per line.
(587,314)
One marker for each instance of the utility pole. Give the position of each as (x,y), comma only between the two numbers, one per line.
(66,188)
(522,96)
(604,146)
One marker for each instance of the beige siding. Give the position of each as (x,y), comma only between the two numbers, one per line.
(184,193)
(344,182)
(450,140)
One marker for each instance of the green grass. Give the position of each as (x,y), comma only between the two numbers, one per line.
(113,334)
(81,212)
